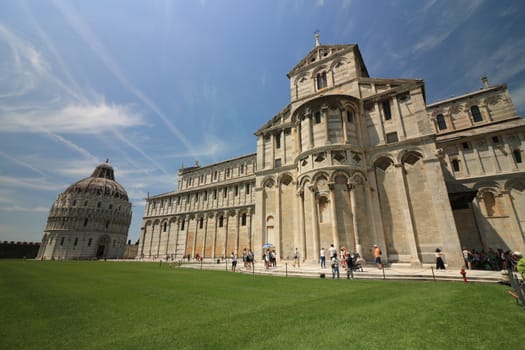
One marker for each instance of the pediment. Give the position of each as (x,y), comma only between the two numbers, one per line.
(321,54)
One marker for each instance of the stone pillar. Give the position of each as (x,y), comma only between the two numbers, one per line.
(227,217)
(272,154)
(168,239)
(443,210)
(205,236)
(344,119)
(315,225)
(353,207)
(310,132)
(300,236)
(409,217)
(214,243)
(194,243)
(238,226)
(335,233)
(250,242)
(397,114)
(462,158)
(298,137)
(509,203)
(324,120)
(497,167)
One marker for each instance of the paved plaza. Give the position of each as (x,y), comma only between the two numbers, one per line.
(394,272)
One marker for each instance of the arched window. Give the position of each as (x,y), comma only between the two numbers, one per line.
(221,221)
(243,219)
(476,114)
(201,222)
(182,224)
(321,80)
(317,117)
(165,227)
(442,124)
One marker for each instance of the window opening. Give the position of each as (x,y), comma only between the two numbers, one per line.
(386,109)
(476,114)
(455,164)
(321,80)
(391,137)
(243,219)
(442,124)
(317,117)
(517,155)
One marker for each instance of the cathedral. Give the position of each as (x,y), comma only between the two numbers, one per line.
(355,161)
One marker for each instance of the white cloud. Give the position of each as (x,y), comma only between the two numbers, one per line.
(451,17)
(518,97)
(83,30)
(17,208)
(72,119)
(29,183)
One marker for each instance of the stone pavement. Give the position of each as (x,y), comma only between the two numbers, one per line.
(393,272)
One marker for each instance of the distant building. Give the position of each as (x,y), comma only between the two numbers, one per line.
(355,161)
(88,220)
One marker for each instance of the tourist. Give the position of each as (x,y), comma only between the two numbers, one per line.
(335,267)
(467,257)
(349,266)
(273,258)
(440,264)
(323,258)
(244,257)
(332,251)
(266,258)
(250,259)
(377,256)
(296,258)
(234,261)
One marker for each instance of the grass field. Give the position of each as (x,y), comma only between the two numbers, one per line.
(118,305)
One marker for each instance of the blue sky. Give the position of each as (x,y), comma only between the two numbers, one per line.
(154,85)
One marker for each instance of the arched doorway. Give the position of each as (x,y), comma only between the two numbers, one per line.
(102,246)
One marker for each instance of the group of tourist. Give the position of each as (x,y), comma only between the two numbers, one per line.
(491,259)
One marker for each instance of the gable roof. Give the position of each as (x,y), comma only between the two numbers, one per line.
(306,62)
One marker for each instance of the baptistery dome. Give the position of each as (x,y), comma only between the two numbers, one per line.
(90,219)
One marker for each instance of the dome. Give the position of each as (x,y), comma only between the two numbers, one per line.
(101,182)
(90,219)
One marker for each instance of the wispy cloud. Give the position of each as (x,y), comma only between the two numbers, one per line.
(22,163)
(17,208)
(72,119)
(452,16)
(83,30)
(30,183)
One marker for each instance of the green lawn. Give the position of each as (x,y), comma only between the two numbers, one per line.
(117,305)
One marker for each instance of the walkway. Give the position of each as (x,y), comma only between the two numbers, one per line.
(394,272)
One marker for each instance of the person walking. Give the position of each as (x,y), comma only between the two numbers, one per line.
(297,258)
(440,264)
(335,267)
(377,256)
(350,266)
(323,258)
